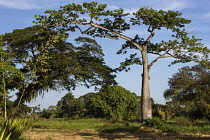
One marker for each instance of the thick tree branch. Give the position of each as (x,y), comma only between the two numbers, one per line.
(114,32)
(151,35)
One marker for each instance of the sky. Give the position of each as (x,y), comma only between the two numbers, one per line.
(19,14)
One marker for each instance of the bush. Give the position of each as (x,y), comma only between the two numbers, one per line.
(182,120)
(155,122)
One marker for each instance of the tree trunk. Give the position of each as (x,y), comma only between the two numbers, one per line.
(145,93)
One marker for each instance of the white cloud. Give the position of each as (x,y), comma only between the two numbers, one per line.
(172,4)
(30,4)
(207,15)
(18,4)
(112,7)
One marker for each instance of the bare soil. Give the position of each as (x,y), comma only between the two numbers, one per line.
(91,134)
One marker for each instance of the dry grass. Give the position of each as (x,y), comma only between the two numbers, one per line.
(91,134)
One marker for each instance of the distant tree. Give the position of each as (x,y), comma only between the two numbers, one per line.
(113,24)
(189,89)
(50,112)
(114,103)
(50,62)
(84,104)
(67,106)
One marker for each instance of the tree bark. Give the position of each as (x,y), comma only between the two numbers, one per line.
(146,102)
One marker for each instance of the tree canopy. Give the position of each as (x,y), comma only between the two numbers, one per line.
(115,103)
(50,62)
(190,89)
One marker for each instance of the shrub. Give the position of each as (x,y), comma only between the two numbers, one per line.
(155,122)
(182,120)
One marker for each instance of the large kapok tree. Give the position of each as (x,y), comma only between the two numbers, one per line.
(101,22)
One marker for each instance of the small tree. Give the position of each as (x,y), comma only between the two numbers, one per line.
(113,24)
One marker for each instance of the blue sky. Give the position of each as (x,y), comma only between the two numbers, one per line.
(19,14)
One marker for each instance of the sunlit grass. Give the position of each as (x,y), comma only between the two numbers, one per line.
(69,124)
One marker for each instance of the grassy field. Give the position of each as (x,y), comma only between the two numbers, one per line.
(99,129)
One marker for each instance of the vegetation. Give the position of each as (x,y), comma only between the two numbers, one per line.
(39,58)
(63,123)
(104,23)
(189,92)
(180,125)
(13,129)
(107,126)
(115,103)
(52,63)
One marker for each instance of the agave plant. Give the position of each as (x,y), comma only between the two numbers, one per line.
(12,129)
(3,136)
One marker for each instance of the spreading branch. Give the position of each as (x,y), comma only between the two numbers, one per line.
(159,57)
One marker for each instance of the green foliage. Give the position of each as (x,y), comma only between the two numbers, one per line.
(22,111)
(51,112)
(67,106)
(155,122)
(160,111)
(52,63)
(13,129)
(189,91)
(115,103)
(12,76)
(113,23)
(182,120)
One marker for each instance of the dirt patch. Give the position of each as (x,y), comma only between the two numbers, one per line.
(91,134)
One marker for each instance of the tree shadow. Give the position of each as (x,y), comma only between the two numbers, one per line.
(122,133)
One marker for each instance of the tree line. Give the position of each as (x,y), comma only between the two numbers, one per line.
(188,95)
(191,100)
